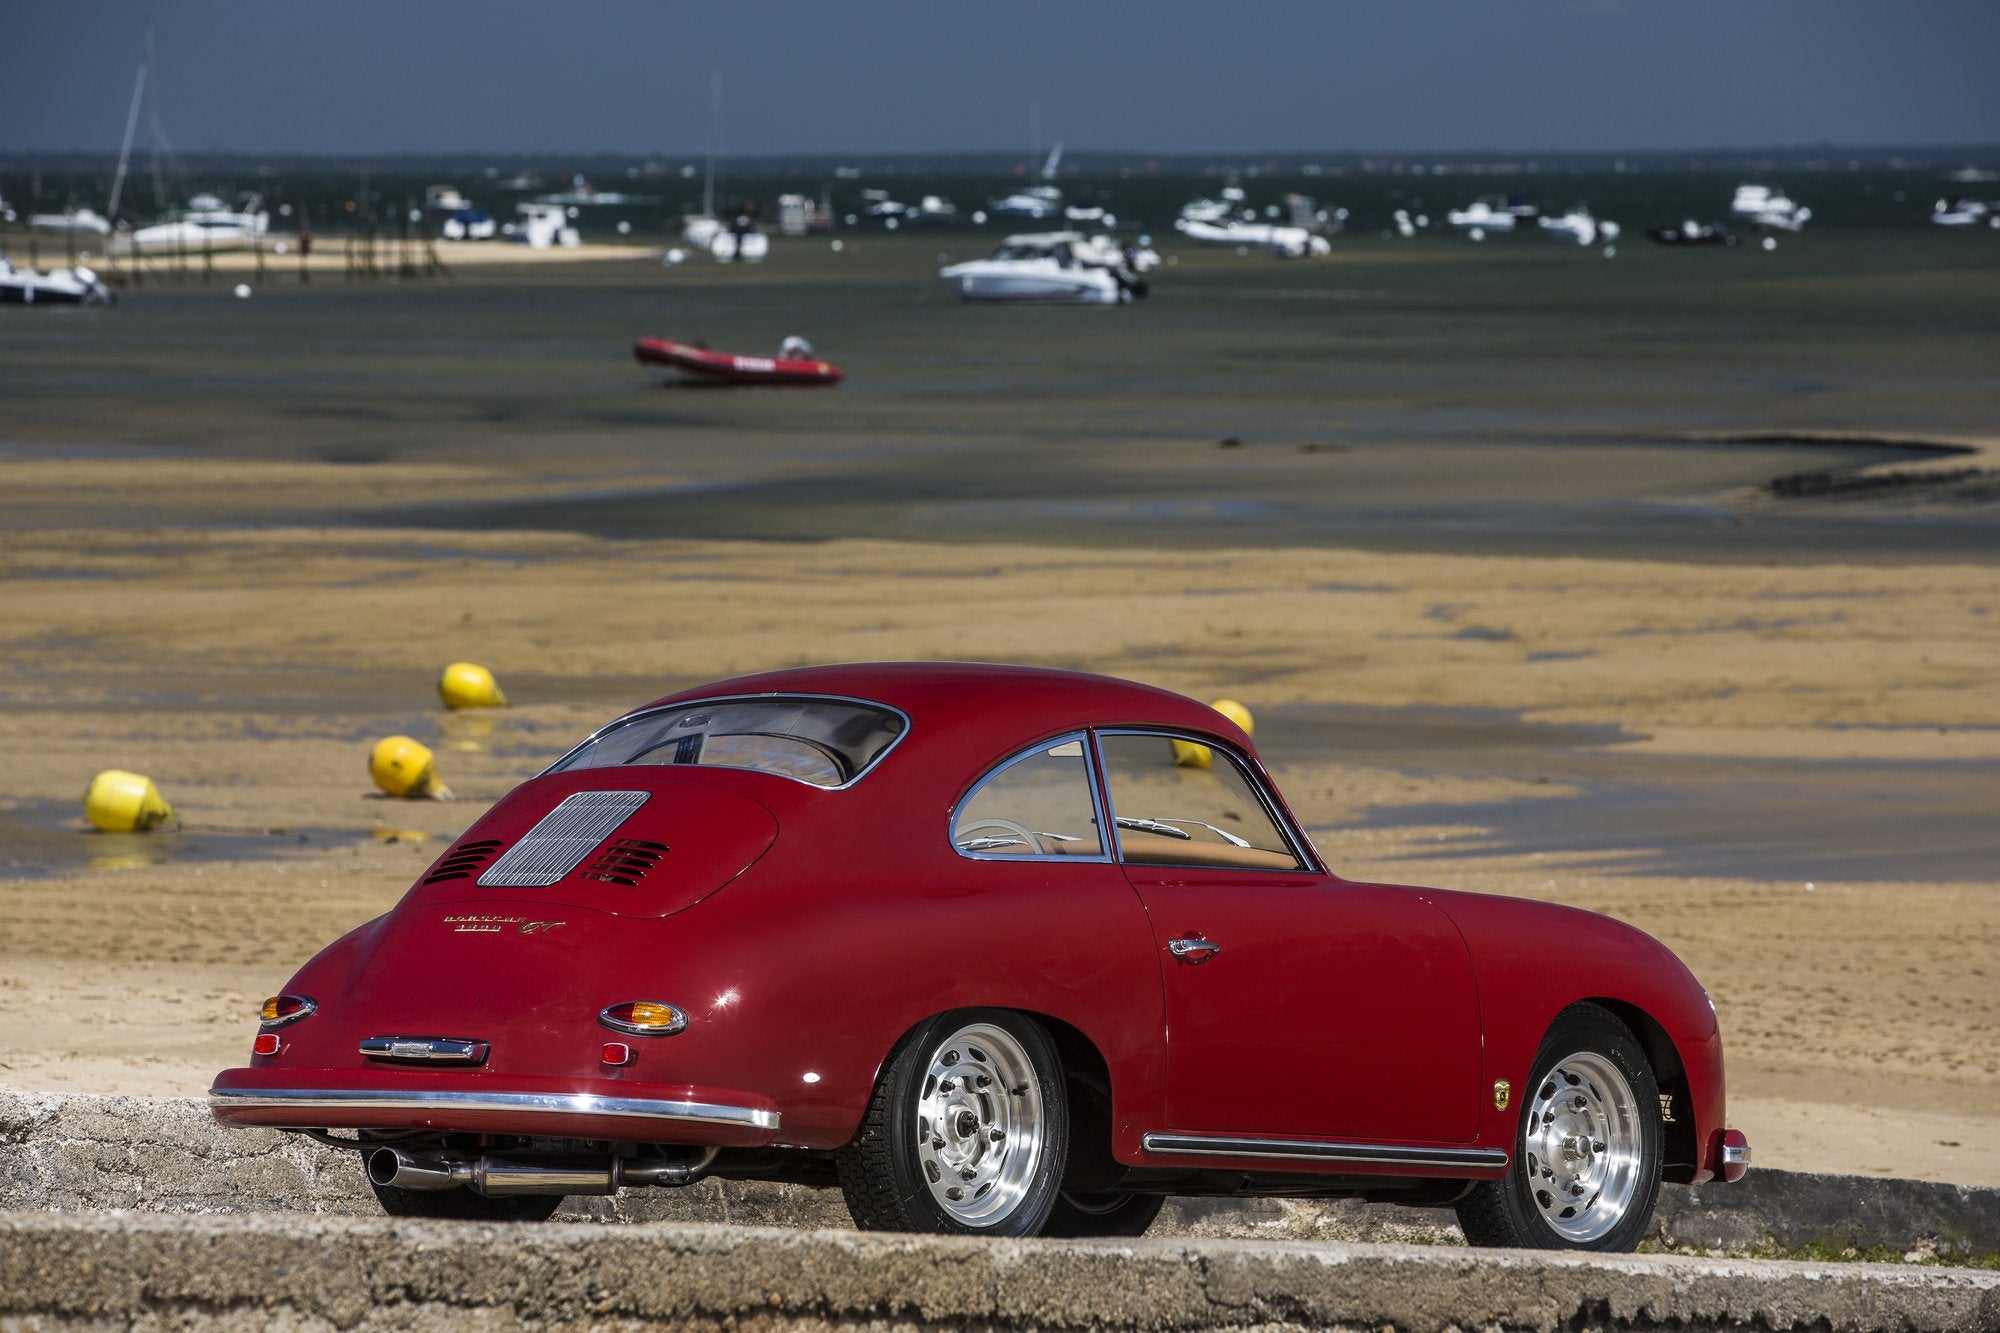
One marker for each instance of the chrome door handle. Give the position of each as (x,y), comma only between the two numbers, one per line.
(1195,950)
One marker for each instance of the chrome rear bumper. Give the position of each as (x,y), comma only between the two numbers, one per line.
(223,1101)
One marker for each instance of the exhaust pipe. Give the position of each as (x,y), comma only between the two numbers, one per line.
(494,1175)
(393,1166)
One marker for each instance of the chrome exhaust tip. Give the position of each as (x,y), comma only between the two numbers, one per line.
(404,1171)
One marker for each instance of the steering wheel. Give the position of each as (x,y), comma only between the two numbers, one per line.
(1021,831)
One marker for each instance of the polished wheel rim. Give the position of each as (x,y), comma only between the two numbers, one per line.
(979,1124)
(1583,1146)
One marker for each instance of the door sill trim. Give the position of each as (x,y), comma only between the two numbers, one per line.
(1320,1150)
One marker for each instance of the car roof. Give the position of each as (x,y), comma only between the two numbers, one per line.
(983,707)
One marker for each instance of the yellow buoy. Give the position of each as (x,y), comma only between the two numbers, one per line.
(402,767)
(468,685)
(121,802)
(1187,754)
(1236,713)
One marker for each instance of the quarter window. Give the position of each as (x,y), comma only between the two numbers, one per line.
(1179,803)
(1037,804)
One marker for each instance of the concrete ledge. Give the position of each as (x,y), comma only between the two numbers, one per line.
(80,1153)
(226,1273)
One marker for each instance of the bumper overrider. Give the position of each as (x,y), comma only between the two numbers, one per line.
(620,1110)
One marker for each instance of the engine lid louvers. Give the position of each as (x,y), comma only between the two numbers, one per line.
(564,836)
(626,861)
(464,862)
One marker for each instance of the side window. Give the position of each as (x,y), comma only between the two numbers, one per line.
(1037,804)
(1188,805)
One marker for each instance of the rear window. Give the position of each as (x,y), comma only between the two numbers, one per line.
(825,742)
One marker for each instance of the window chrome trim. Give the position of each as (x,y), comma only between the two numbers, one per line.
(1315,1150)
(1296,842)
(1089,751)
(629,718)
(223,1100)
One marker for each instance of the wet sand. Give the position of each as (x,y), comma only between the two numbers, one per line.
(212,574)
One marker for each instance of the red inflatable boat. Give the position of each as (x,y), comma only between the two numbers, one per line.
(663,356)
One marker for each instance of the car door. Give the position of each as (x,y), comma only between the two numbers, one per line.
(1298,1005)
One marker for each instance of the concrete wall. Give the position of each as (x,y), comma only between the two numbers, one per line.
(74,1154)
(298,1272)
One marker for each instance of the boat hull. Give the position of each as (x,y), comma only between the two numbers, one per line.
(677,360)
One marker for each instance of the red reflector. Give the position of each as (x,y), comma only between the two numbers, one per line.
(266,1044)
(617,1053)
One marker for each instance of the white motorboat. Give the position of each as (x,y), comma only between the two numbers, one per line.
(206,224)
(1225,206)
(1579,226)
(1282,241)
(541,226)
(1964,213)
(1036,203)
(739,242)
(445,199)
(72,222)
(1768,208)
(62,286)
(1480,217)
(469,224)
(582,194)
(1058,267)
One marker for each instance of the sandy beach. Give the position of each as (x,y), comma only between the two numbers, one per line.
(231,582)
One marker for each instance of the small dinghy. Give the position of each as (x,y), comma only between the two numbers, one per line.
(795,363)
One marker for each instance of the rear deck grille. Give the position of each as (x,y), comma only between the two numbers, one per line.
(565,835)
(626,861)
(464,862)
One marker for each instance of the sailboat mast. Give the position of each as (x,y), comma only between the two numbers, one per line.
(131,127)
(714,134)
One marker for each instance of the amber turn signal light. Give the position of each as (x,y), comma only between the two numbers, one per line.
(643,1018)
(282,1009)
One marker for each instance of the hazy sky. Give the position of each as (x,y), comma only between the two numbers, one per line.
(900,75)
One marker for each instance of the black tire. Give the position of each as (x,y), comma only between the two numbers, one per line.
(466,1205)
(1586,1161)
(997,1134)
(1082,1215)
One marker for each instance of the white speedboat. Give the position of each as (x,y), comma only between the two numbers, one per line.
(1768,208)
(1964,213)
(1223,207)
(1285,242)
(206,224)
(469,224)
(73,222)
(1058,267)
(541,226)
(1579,226)
(740,242)
(62,286)
(1480,217)
(1037,203)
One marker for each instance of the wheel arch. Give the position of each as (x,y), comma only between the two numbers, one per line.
(1087,1075)
(1680,1149)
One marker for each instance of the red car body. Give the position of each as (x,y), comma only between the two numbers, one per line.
(1324,1036)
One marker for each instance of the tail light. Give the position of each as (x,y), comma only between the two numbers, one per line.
(282,1009)
(643,1018)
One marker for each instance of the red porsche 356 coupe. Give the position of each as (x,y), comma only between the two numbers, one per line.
(997,951)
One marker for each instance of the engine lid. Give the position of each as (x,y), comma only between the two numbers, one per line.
(615,840)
